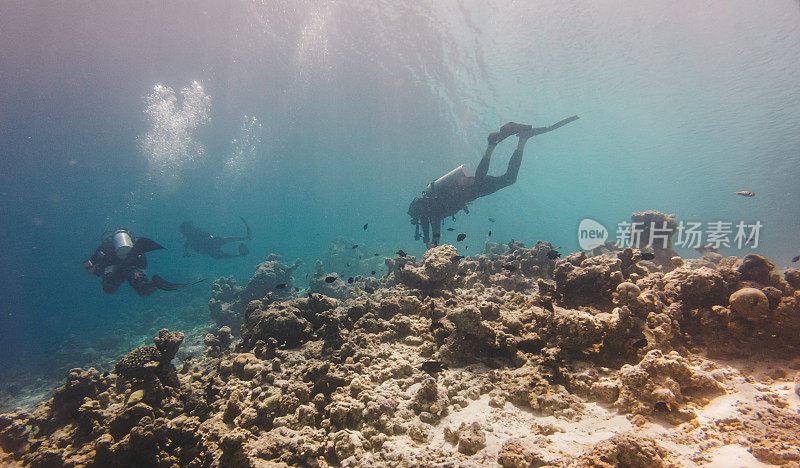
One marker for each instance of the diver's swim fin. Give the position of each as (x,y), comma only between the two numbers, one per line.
(247,226)
(165,285)
(143,245)
(243,250)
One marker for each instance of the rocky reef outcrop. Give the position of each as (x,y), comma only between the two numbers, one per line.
(512,358)
(229,301)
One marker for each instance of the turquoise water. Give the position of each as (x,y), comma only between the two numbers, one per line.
(310,119)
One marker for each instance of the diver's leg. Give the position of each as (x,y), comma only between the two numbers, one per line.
(228,239)
(436,224)
(137,278)
(425,230)
(510,128)
(483,166)
(112,280)
(515,162)
(491,184)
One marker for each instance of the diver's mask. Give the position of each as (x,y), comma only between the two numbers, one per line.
(123,242)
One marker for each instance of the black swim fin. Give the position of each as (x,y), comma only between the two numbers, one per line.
(143,245)
(165,285)
(247,226)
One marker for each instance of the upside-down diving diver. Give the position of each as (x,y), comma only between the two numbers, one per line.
(202,242)
(451,193)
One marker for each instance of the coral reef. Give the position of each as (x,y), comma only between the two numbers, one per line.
(510,358)
(229,301)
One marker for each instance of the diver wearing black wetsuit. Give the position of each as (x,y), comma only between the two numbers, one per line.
(114,269)
(204,243)
(429,210)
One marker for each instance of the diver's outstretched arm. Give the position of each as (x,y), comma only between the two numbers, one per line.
(540,130)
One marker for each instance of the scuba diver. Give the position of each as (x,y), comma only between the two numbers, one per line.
(121,257)
(204,243)
(452,192)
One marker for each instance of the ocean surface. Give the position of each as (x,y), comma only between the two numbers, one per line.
(312,118)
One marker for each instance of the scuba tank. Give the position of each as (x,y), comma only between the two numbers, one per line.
(123,243)
(448,181)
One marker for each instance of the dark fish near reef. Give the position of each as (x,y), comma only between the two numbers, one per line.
(490,233)
(369,290)
(280,286)
(509,267)
(350,280)
(296,289)
(461,237)
(401,266)
(451,229)
(355,246)
(746,193)
(366,226)
(330,279)
(639,344)
(401,253)
(372,272)
(458,257)
(648,256)
(491,220)
(433,367)
(553,254)
(348,264)
(662,407)
(796,259)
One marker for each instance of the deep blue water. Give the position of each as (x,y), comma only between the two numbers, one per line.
(312,118)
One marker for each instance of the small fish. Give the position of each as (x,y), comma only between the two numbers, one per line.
(369,290)
(433,367)
(401,266)
(553,254)
(377,254)
(372,272)
(401,253)
(348,264)
(366,226)
(509,267)
(796,259)
(648,256)
(490,233)
(350,280)
(451,229)
(639,344)
(355,246)
(330,279)
(461,237)
(280,286)
(491,220)
(296,289)
(458,257)
(746,193)
(662,407)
